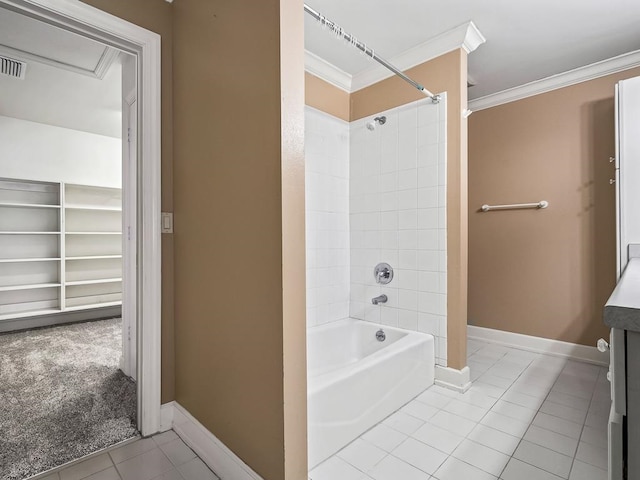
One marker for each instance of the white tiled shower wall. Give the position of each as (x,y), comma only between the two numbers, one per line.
(327,217)
(398,215)
(374,196)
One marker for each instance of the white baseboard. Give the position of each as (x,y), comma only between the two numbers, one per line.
(547,346)
(224,463)
(458,380)
(166,416)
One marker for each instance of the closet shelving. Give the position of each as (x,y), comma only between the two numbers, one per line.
(60,247)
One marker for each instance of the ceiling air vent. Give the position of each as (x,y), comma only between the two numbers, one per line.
(12,68)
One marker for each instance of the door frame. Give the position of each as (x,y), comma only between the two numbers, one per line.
(75,16)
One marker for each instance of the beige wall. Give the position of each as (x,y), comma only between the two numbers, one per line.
(445,73)
(326,97)
(545,273)
(155,15)
(235,173)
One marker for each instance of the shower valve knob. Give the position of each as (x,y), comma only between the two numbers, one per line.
(383,273)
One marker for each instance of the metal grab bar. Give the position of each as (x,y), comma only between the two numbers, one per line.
(541,204)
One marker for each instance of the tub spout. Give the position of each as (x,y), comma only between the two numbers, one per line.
(379,299)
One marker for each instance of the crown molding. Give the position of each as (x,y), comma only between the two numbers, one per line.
(561,80)
(327,71)
(107,58)
(465,36)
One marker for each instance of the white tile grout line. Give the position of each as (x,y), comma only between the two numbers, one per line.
(495,361)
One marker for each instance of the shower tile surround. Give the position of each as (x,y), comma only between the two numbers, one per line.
(397,205)
(327,217)
(378,196)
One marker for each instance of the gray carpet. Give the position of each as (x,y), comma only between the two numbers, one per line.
(62,396)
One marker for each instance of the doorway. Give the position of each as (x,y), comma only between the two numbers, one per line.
(141,209)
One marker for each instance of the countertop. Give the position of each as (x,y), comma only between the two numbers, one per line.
(623,307)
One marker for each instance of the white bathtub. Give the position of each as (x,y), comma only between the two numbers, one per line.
(355,381)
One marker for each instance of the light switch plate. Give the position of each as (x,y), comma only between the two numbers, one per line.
(167,222)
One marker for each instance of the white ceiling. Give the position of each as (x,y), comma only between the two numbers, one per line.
(527,40)
(70,81)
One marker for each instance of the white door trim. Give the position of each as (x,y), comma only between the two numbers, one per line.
(76,16)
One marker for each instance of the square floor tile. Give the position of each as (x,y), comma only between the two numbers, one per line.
(477,398)
(505,424)
(53,476)
(489,390)
(86,467)
(572,413)
(146,466)
(170,475)
(435,399)
(522,399)
(384,437)
(165,437)
(593,455)
(197,470)
(420,455)
(362,455)
(569,400)
(334,468)
(392,468)
(495,439)
(595,436)
(177,452)
(452,423)
(482,457)
(403,422)
(437,437)
(131,450)
(500,382)
(513,410)
(584,471)
(419,410)
(454,469)
(551,440)
(541,457)
(574,387)
(558,425)
(597,421)
(108,474)
(466,410)
(519,470)
(529,387)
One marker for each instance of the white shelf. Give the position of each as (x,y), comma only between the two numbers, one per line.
(12,288)
(93,305)
(93,282)
(95,208)
(22,260)
(94,257)
(42,223)
(93,233)
(26,205)
(30,313)
(28,233)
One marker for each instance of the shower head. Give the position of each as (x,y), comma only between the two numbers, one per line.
(376,121)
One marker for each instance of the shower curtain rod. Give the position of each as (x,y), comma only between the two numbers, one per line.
(339,31)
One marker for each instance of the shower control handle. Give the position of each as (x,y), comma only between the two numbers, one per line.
(383,273)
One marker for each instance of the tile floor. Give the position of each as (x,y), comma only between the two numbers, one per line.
(162,457)
(527,416)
